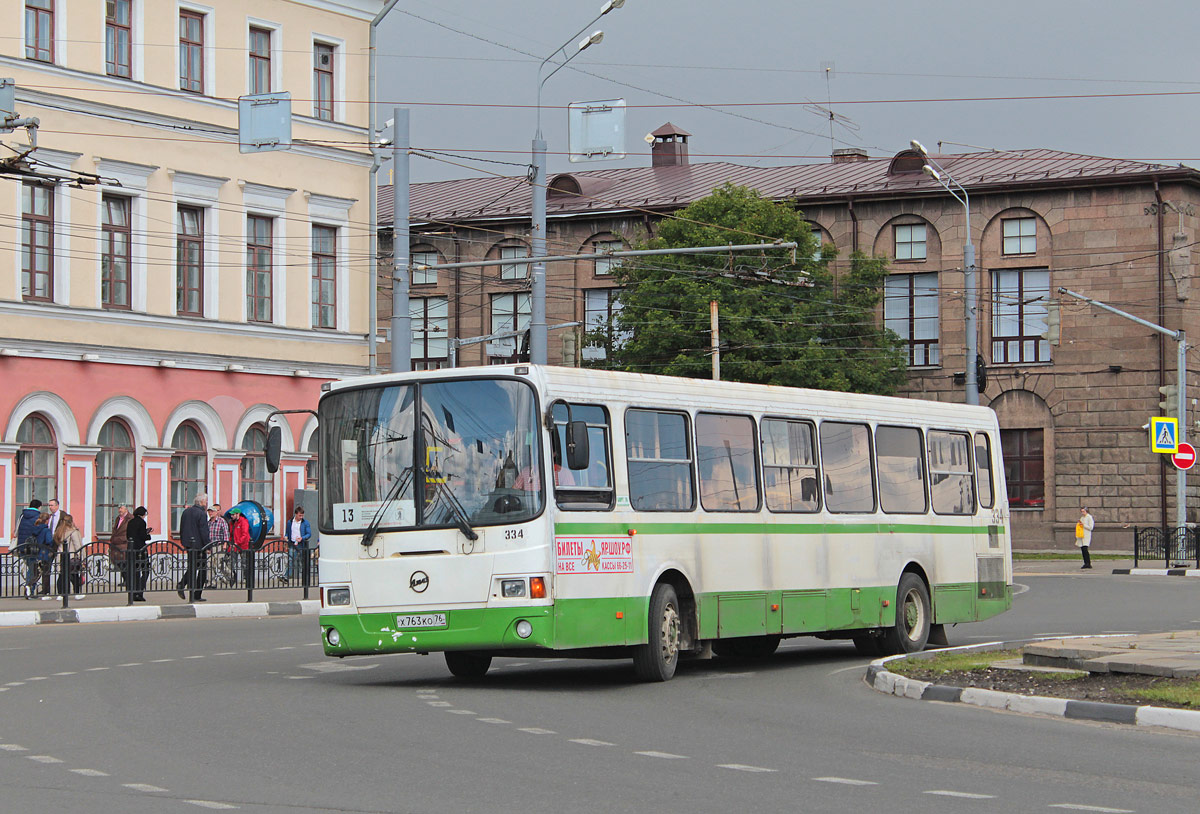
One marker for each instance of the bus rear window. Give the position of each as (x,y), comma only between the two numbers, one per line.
(660,461)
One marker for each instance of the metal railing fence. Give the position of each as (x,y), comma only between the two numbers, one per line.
(1176,546)
(163,565)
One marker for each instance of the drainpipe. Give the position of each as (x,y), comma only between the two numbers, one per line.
(1162,309)
(854,220)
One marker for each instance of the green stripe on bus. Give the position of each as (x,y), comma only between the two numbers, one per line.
(769,528)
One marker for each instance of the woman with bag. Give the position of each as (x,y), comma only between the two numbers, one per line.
(1083,535)
(68,538)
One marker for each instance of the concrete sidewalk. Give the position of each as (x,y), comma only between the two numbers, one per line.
(1072,566)
(1157,654)
(162,605)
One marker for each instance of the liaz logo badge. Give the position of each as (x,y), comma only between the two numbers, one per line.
(419,581)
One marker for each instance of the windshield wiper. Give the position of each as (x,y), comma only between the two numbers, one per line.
(397,488)
(460,514)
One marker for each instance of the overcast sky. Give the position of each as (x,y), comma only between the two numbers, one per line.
(746,78)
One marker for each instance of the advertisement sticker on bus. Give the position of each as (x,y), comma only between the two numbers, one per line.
(593,555)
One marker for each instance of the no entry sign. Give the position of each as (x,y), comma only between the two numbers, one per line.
(1185,458)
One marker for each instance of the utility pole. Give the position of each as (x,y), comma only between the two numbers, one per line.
(401,310)
(1180,338)
(716,340)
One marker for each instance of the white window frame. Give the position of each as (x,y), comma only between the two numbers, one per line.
(514,271)
(328,210)
(1024,240)
(201,192)
(62,221)
(339,74)
(269,202)
(276,32)
(428,277)
(134,179)
(910,243)
(209,49)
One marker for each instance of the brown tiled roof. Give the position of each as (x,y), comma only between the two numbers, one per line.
(617,190)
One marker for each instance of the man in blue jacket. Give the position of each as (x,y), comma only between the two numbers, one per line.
(299,532)
(26,528)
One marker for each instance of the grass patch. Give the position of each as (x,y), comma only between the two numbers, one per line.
(952,662)
(1182,694)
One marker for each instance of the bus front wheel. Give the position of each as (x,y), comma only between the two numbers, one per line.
(657,659)
(467,665)
(910,633)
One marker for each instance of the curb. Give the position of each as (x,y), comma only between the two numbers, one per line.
(881,680)
(1158,572)
(146,613)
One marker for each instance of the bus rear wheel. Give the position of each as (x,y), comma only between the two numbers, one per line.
(467,665)
(657,659)
(910,633)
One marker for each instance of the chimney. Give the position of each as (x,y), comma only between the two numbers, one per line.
(669,146)
(849,155)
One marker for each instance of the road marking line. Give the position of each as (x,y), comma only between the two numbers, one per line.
(44,758)
(491,720)
(1079,807)
(439,703)
(143,787)
(90,772)
(663,755)
(300,678)
(741,767)
(131,664)
(845,670)
(97,669)
(193,657)
(256,651)
(15,684)
(286,647)
(12,747)
(533,730)
(160,661)
(461,712)
(4,689)
(36,678)
(518,664)
(209,804)
(591,742)
(846,781)
(226,653)
(964,794)
(67,673)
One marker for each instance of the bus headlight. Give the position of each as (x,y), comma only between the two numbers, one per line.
(333,637)
(524,629)
(337,596)
(510,588)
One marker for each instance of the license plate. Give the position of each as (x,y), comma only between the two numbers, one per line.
(415,620)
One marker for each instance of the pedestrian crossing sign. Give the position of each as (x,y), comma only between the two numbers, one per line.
(1164,435)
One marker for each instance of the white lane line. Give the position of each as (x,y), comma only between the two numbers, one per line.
(741,767)
(256,651)
(663,755)
(591,742)
(193,657)
(551,661)
(12,747)
(518,664)
(161,661)
(845,669)
(209,804)
(66,673)
(143,787)
(90,772)
(461,712)
(36,678)
(439,703)
(846,781)
(15,684)
(1119,632)
(226,653)
(96,669)
(533,730)
(131,664)
(300,678)
(492,720)
(966,795)
(44,758)
(4,689)
(1079,807)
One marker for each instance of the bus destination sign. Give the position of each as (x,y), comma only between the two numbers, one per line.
(593,555)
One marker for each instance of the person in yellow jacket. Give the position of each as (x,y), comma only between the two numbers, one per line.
(1083,535)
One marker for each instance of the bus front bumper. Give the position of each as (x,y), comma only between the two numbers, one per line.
(465,629)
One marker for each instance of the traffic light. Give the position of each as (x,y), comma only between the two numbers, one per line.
(981,381)
(1170,400)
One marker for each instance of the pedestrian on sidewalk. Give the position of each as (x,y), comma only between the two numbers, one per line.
(299,532)
(1083,535)
(193,533)
(137,560)
(69,539)
(118,542)
(27,543)
(45,557)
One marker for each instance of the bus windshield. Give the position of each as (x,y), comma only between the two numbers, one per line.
(473,458)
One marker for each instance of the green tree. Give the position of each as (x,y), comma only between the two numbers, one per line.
(780,322)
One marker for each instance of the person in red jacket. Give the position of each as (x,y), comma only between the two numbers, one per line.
(241,529)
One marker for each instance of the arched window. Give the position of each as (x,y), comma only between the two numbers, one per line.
(189,470)
(37,461)
(257,482)
(115,465)
(312,468)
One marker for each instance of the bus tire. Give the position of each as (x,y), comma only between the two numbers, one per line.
(749,648)
(657,659)
(466,664)
(910,633)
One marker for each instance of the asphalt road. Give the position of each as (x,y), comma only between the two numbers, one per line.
(248,715)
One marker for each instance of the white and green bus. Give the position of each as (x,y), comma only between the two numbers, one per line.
(526,510)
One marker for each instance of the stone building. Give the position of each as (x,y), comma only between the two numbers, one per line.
(1073,385)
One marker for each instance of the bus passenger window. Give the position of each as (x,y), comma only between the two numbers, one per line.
(846,461)
(660,461)
(901,467)
(725,456)
(983,470)
(950,477)
(789,451)
(587,489)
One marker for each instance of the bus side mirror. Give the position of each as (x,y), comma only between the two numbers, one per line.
(274,449)
(578,453)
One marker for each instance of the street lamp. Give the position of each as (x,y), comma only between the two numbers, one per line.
(938,173)
(538,336)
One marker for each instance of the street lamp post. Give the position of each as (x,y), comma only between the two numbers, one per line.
(538,335)
(938,173)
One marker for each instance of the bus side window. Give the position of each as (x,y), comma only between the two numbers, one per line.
(950,478)
(660,461)
(589,489)
(900,463)
(846,461)
(789,453)
(728,469)
(983,470)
